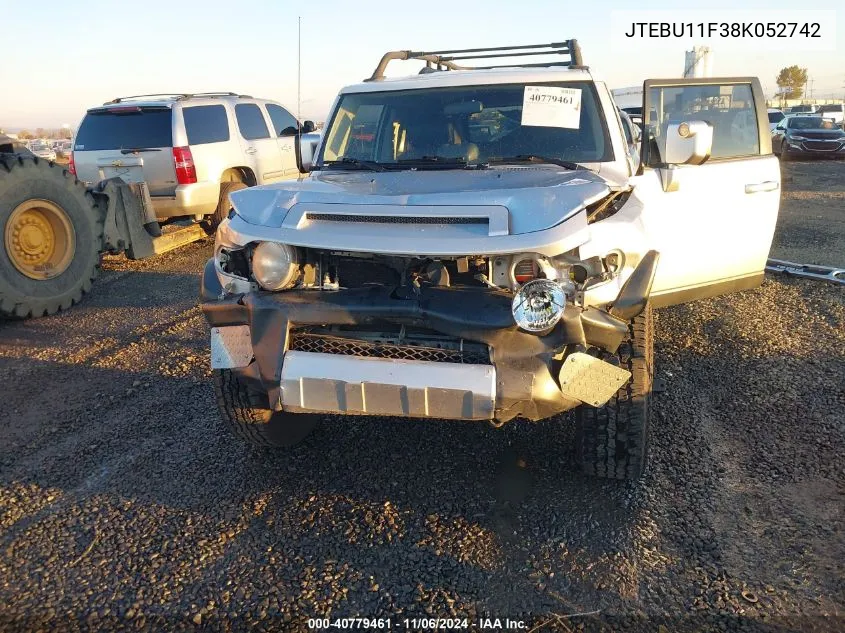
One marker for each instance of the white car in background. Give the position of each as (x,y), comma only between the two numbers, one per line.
(42,150)
(775,117)
(835,111)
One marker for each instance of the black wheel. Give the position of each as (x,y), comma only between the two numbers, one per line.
(52,236)
(223,205)
(246,412)
(612,441)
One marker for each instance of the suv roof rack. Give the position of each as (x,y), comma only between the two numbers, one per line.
(445,60)
(178,96)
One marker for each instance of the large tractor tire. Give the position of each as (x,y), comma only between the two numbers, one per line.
(52,235)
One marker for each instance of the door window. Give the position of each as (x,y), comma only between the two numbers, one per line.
(728,108)
(251,122)
(283,121)
(206,124)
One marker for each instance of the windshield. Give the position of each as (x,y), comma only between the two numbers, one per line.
(774,117)
(468,125)
(810,123)
(831,108)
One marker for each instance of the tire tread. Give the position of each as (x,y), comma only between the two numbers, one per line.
(612,440)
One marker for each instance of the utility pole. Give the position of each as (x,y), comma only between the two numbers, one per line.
(298,68)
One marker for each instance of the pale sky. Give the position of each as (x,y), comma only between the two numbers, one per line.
(61,57)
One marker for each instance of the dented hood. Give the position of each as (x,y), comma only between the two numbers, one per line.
(515,199)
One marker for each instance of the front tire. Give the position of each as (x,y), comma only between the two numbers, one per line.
(612,440)
(246,412)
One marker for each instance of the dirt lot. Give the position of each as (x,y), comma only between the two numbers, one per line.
(124,505)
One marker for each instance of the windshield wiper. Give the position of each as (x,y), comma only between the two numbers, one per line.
(133,150)
(355,163)
(439,162)
(533,158)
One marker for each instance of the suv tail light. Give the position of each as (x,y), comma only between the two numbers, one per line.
(71,166)
(183,160)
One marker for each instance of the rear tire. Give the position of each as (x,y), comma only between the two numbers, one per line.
(223,205)
(52,235)
(612,441)
(246,411)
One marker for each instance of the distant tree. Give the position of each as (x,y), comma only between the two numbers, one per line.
(25,134)
(791,81)
(40,132)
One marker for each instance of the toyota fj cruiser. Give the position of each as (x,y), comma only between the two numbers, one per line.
(481,244)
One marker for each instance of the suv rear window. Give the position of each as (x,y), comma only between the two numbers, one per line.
(206,124)
(120,128)
(831,108)
(251,121)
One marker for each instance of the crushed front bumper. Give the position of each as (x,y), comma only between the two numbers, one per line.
(251,334)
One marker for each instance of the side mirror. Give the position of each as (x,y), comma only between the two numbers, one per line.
(289,131)
(688,143)
(307,150)
(308,127)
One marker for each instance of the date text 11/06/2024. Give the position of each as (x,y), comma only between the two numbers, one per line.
(418,624)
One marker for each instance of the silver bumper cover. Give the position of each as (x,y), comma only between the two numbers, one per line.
(330,383)
(313,382)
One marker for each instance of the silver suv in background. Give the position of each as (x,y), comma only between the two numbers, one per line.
(193,149)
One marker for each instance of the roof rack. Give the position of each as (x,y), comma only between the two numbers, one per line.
(445,60)
(178,96)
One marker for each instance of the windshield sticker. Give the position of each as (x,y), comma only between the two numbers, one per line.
(551,106)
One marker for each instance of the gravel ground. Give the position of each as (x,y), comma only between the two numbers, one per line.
(124,506)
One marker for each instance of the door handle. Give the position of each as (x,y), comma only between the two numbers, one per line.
(250,150)
(769,185)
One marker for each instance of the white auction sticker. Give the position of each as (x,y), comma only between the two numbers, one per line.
(551,106)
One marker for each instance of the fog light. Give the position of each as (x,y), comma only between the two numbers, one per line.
(275,266)
(538,305)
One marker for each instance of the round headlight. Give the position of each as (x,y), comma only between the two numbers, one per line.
(538,305)
(275,266)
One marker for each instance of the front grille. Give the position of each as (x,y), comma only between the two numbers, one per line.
(394,219)
(356,273)
(324,344)
(820,135)
(821,145)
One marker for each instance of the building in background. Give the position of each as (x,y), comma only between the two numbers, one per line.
(698,62)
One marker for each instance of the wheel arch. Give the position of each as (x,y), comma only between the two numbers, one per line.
(239,174)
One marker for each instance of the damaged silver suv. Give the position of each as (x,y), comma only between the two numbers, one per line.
(486,244)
